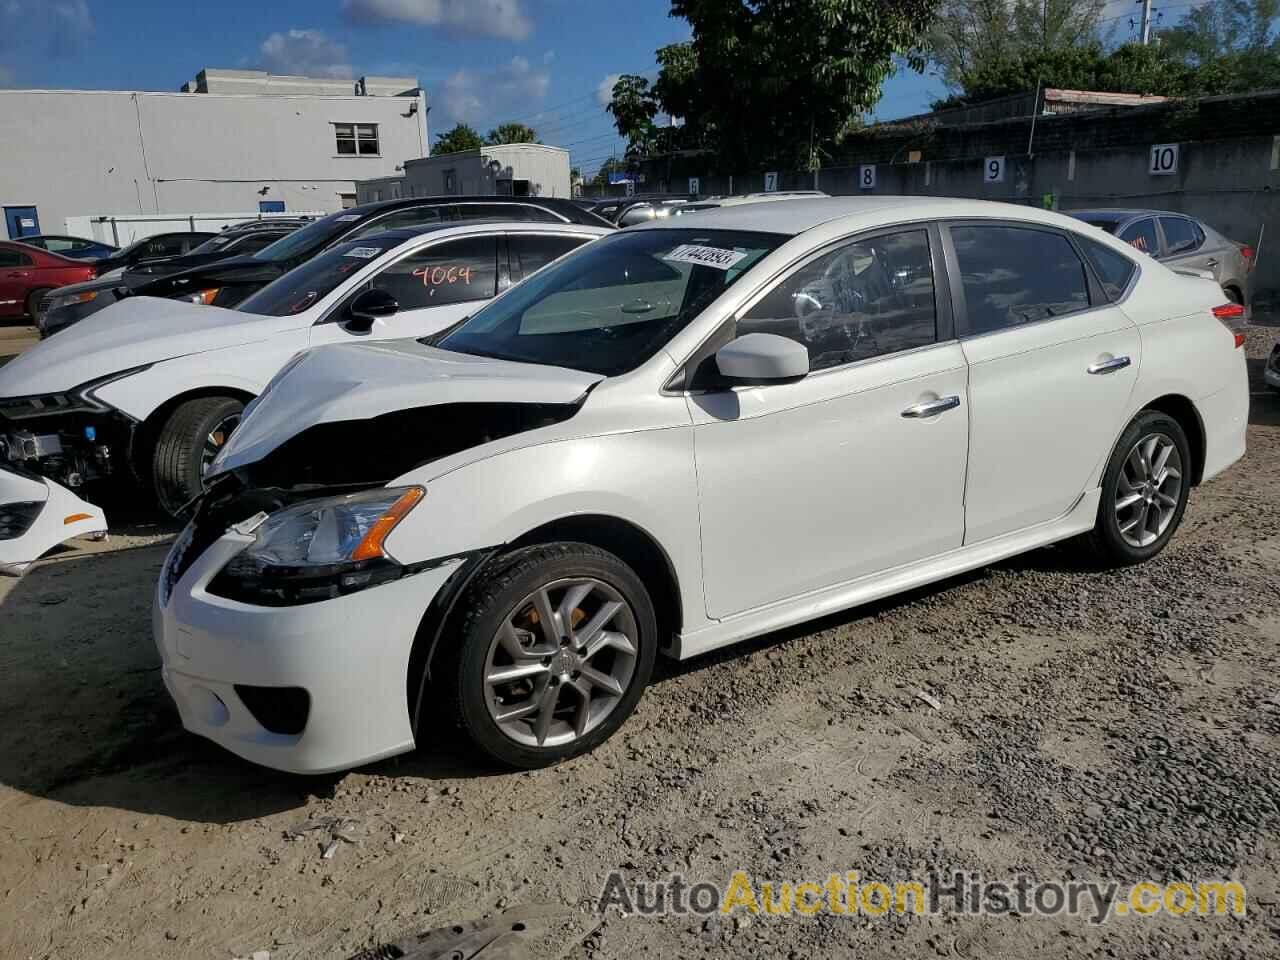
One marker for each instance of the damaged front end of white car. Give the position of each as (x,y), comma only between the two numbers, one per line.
(36,515)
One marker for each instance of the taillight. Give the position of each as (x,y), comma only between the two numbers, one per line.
(1228,313)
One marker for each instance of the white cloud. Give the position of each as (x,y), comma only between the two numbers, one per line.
(62,27)
(481,98)
(497,18)
(604,92)
(307,53)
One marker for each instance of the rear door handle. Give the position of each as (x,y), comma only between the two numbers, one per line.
(931,408)
(1211,262)
(1109,366)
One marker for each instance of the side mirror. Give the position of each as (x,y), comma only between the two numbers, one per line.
(762,358)
(368,306)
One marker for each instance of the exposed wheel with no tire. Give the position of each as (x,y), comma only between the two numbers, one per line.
(552,652)
(33,304)
(188,442)
(1144,490)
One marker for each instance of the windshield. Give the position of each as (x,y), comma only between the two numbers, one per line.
(1103,221)
(216,244)
(613,304)
(304,287)
(313,236)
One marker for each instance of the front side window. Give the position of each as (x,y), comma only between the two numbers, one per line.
(1113,269)
(304,287)
(864,299)
(455,271)
(610,306)
(356,139)
(1142,236)
(1017,275)
(1180,235)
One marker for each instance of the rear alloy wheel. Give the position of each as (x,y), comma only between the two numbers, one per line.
(1144,490)
(557,645)
(189,440)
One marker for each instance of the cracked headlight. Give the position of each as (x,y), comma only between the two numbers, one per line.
(319,549)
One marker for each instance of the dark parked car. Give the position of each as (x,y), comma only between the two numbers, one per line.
(28,273)
(61,308)
(153,248)
(77,248)
(226,283)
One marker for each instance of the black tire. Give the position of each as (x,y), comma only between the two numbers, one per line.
(177,464)
(497,595)
(33,303)
(1106,542)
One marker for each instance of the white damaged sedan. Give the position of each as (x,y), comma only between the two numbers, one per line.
(677,437)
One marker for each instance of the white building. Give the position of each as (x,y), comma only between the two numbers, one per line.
(231,140)
(509,169)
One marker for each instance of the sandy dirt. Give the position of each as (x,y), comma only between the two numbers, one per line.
(1121,725)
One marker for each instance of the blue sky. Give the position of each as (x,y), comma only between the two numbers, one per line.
(543,62)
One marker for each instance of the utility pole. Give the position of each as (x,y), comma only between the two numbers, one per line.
(1146,21)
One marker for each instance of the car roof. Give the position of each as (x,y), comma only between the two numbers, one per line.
(495,225)
(795,216)
(1125,213)
(562,205)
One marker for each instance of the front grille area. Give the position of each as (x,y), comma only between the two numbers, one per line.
(17,518)
(281,710)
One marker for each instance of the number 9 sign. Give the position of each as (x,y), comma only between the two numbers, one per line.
(993,170)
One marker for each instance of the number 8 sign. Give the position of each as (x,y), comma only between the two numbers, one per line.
(867,176)
(993,170)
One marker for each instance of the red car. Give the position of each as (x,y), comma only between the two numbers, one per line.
(28,273)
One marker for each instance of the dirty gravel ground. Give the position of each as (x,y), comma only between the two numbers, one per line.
(1102,725)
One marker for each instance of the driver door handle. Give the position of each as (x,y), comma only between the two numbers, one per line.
(930,408)
(1109,366)
(1211,262)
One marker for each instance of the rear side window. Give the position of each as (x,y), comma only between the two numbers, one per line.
(1016,275)
(1113,269)
(532,252)
(1142,236)
(412,217)
(453,272)
(864,299)
(1180,235)
(12,258)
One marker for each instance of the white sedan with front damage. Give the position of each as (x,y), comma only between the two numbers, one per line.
(150,388)
(677,437)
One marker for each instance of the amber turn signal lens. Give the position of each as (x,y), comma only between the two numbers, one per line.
(72,518)
(370,548)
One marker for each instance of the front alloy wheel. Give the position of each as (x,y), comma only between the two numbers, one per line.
(559,665)
(552,652)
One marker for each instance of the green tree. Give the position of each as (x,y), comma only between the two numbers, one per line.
(512,133)
(982,38)
(461,137)
(770,81)
(634,107)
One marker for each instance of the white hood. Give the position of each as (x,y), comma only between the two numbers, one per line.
(360,381)
(131,333)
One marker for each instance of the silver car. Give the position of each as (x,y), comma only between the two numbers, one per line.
(1180,241)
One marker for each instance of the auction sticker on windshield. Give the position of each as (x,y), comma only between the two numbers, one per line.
(716,257)
(363,253)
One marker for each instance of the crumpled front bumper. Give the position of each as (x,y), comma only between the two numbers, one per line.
(36,515)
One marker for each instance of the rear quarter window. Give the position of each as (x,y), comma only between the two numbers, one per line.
(1114,270)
